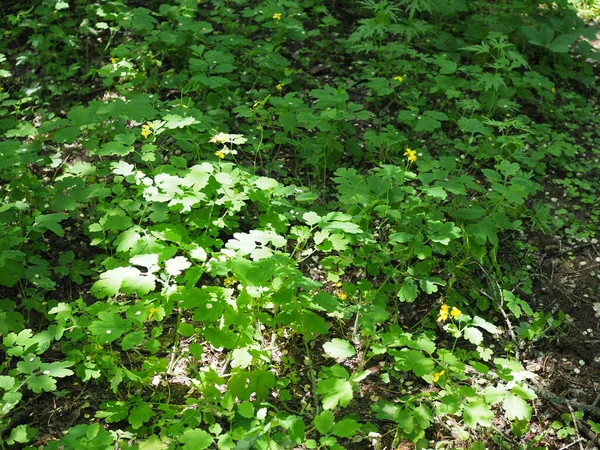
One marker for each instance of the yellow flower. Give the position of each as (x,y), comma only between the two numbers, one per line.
(436,376)
(220,154)
(151,311)
(410,154)
(399,78)
(456,313)
(113,60)
(553,90)
(229,281)
(279,87)
(146,131)
(342,295)
(443,316)
(277,16)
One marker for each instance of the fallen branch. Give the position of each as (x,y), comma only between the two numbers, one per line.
(550,396)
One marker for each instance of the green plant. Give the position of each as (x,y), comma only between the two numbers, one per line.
(271,224)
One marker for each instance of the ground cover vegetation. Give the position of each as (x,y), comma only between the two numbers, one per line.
(295,224)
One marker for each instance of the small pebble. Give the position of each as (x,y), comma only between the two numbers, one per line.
(581,362)
(576,370)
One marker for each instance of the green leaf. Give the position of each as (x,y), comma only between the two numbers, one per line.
(142,19)
(196,440)
(414,360)
(473,335)
(324,421)
(128,279)
(595,427)
(132,340)
(113,411)
(110,327)
(6,382)
(265,183)
(348,227)
(243,384)
(139,415)
(175,266)
(339,349)
(57,369)
(311,218)
(41,383)
(123,168)
(50,222)
(196,350)
(21,434)
(246,410)
(241,357)
(175,121)
(443,232)
(29,365)
(430,285)
(473,126)
(516,408)
(423,415)
(562,43)
(153,443)
(335,391)
(429,121)
(494,394)
(408,292)
(9,401)
(524,392)
(484,324)
(435,192)
(477,413)
(114,148)
(252,273)
(484,230)
(345,428)
(395,413)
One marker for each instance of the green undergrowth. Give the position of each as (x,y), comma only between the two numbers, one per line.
(295,224)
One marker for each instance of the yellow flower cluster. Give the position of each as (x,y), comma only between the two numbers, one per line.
(456,313)
(279,87)
(342,295)
(114,60)
(146,130)
(399,78)
(436,376)
(411,155)
(277,16)
(220,154)
(445,312)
